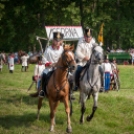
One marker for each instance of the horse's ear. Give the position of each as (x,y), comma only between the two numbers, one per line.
(66,46)
(95,44)
(72,47)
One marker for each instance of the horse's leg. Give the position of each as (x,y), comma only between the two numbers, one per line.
(39,107)
(53,105)
(83,107)
(71,106)
(70,99)
(67,109)
(95,99)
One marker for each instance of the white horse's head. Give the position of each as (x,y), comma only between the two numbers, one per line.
(97,54)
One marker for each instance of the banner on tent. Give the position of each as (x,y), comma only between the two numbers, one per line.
(70,32)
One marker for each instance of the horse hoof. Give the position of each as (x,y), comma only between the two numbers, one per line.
(37,118)
(69,130)
(89,118)
(81,121)
(51,129)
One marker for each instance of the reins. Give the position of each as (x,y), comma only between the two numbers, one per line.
(89,62)
(67,68)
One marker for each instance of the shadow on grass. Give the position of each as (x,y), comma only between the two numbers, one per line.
(20,99)
(26,120)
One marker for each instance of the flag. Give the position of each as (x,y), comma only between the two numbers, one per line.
(100,35)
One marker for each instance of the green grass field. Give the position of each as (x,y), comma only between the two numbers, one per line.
(115,113)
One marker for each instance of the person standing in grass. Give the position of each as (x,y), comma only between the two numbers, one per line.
(1,61)
(107,74)
(24,60)
(132,55)
(39,67)
(11,63)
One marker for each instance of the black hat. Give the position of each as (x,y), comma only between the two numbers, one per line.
(88,32)
(58,36)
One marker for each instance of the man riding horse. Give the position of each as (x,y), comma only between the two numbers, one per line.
(51,56)
(83,54)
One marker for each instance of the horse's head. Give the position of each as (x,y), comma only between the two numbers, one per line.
(68,57)
(97,54)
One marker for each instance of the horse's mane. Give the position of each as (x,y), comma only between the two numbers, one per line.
(97,48)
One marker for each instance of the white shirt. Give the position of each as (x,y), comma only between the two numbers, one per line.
(83,49)
(107,67)
(24,59)
(11,62)
(52,55)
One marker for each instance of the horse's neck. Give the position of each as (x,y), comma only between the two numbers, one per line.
(93,70)
(93,59)
(61,72)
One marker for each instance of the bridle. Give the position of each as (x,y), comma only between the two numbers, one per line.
(90,62)
(66,66)
(66,63)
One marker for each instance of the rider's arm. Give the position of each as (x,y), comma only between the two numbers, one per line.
(80,51)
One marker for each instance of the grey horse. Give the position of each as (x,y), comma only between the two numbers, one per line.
(90,81)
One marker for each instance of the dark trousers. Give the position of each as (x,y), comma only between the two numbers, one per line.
(77,74)
(43,81)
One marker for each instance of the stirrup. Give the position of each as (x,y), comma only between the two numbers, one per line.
(41,94)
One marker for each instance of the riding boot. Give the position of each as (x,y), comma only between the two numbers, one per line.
(77,77)
(43,86)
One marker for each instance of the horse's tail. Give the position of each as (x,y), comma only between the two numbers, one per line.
(34,94)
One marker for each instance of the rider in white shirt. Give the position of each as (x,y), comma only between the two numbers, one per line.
(83,53)
(51,57)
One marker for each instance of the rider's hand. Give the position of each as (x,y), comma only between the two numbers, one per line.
(86,58)
(52,65)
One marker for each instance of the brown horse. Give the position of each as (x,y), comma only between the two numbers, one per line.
(58,86)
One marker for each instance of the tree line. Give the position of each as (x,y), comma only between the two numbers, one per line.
(21,21)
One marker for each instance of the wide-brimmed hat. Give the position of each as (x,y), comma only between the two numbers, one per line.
(58,36)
